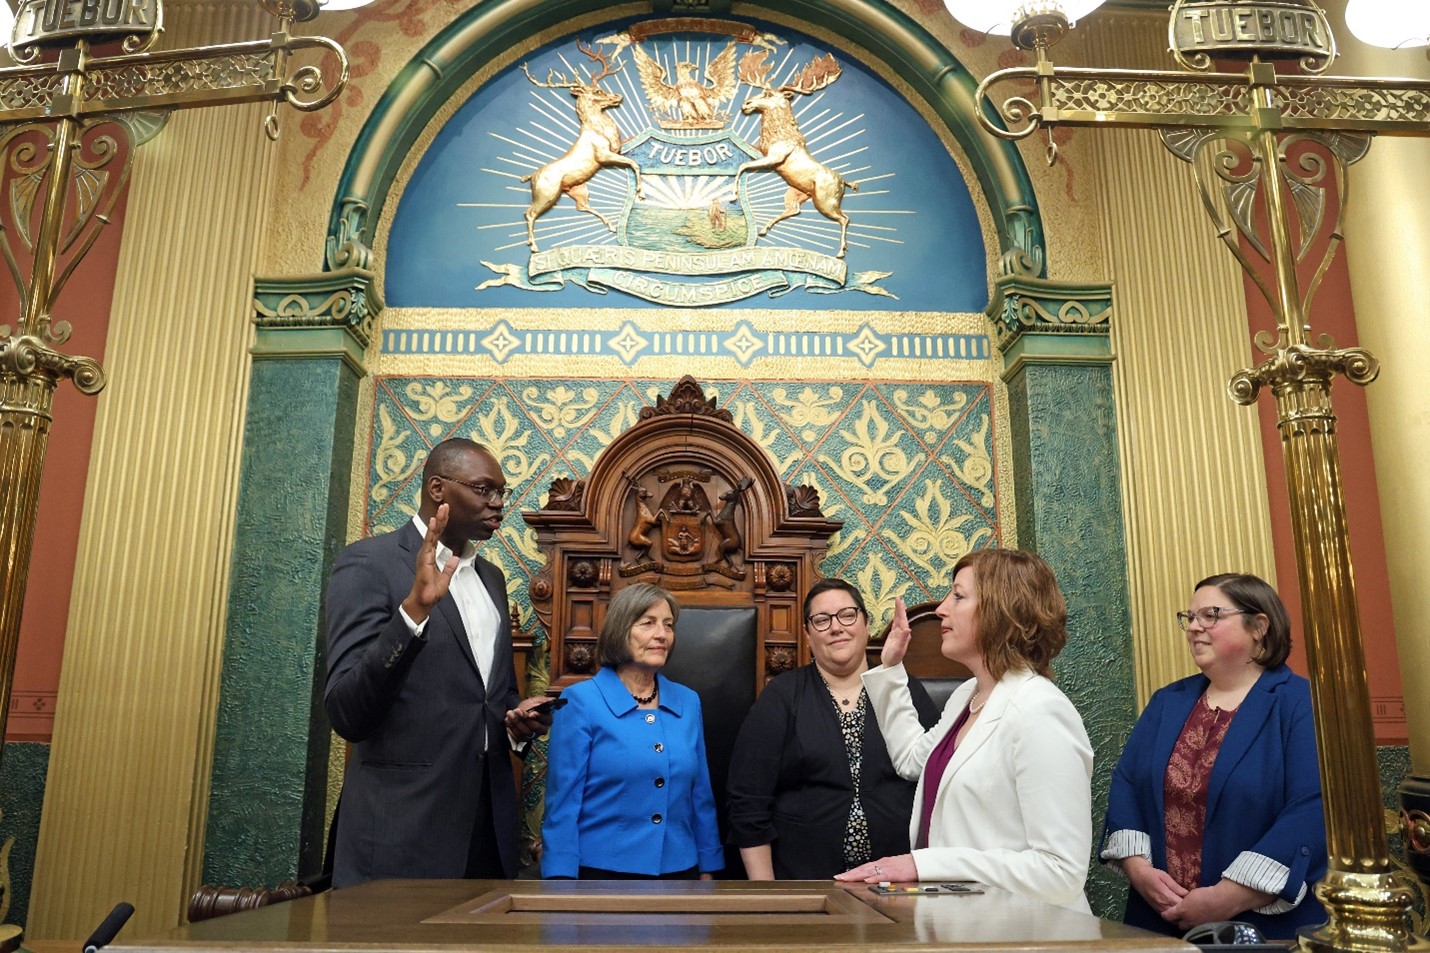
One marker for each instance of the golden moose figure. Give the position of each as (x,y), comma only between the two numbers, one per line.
(596,147)
(784,149)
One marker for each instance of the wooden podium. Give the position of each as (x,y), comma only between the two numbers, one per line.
(805,916)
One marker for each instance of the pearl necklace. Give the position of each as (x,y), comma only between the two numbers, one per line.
(972,710)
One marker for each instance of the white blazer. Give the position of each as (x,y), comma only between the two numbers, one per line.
(1014,806)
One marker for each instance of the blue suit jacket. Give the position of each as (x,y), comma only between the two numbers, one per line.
(1264,794)
(628,788)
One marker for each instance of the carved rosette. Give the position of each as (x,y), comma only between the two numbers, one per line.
(582,574)
(580,658)
(779,659)
(780,577)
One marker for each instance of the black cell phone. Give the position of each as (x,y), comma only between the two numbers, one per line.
(550,705)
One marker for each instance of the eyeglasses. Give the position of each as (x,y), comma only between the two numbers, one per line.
(820,621)
(1208,617)
(494,494)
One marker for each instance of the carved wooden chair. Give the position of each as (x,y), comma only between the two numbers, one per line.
(685,500)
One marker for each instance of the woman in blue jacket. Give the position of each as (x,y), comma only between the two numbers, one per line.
(1215,810)
(627,786)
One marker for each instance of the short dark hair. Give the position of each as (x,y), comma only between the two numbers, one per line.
(1022,615)
(613,644)
(443,457)
(830,585)
(1254,595)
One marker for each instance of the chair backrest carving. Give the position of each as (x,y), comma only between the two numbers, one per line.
(683,499)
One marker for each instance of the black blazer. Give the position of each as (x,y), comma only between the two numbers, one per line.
(419,717)
(790,786)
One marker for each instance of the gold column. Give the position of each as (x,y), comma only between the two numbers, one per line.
(126,795)
(1193,470)
(1387,246)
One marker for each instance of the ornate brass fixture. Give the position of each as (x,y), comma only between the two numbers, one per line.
(1281,141)
(69,128)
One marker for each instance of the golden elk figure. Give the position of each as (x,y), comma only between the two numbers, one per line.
(597,146)
(783,146)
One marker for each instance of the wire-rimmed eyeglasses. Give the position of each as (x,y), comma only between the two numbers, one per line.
(821,620)
(1208,616)
(494,494)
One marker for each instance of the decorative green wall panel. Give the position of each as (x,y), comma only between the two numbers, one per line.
(22,792)
(267,806)
(908,466)
(1070,511)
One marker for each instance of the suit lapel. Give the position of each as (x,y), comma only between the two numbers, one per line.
(983,729)
(1248,722)
(446,609)
(1178,708)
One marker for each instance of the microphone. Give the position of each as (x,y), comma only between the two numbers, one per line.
(105,933)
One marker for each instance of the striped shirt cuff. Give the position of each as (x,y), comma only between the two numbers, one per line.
(1123,844)
(1260,872)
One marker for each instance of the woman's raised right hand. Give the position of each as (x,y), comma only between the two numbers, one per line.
(896,643)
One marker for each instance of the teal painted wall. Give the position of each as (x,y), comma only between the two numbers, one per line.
(1065,470)
(268,800)
(22,792)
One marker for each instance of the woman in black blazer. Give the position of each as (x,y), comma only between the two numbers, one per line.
(811,789)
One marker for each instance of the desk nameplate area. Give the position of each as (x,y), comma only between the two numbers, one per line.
(619,905)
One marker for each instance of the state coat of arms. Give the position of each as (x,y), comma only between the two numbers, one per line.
(664,157)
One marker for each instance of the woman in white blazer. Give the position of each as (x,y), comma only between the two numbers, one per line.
(1004,779)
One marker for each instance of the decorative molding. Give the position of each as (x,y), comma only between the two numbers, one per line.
(345,298)
(1022,305)
(634,340)
(686,397)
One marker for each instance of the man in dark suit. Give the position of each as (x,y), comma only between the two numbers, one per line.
(421,681)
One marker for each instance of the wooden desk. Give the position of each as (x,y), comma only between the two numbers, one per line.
(473,915)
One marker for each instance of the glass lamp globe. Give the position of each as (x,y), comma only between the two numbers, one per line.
(999,16)
(1394,24)
(328,5)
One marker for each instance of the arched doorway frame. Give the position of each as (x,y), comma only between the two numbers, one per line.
(489,31)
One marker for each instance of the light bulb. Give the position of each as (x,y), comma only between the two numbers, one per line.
(998,16)
(1394,24)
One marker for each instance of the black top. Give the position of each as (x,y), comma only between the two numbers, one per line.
(789,783)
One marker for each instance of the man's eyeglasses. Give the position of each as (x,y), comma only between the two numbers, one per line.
(820,621)
(1208,617)
(494,494)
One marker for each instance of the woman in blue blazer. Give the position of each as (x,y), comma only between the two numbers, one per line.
(627,786)
(1215,810)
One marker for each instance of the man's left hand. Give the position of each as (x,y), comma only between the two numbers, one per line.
(524,724)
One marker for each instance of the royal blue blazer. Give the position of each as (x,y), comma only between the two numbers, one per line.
(628,788)
(1264,809)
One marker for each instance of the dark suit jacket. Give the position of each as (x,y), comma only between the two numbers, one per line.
(419,718)
(790,785)
(1264,796)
